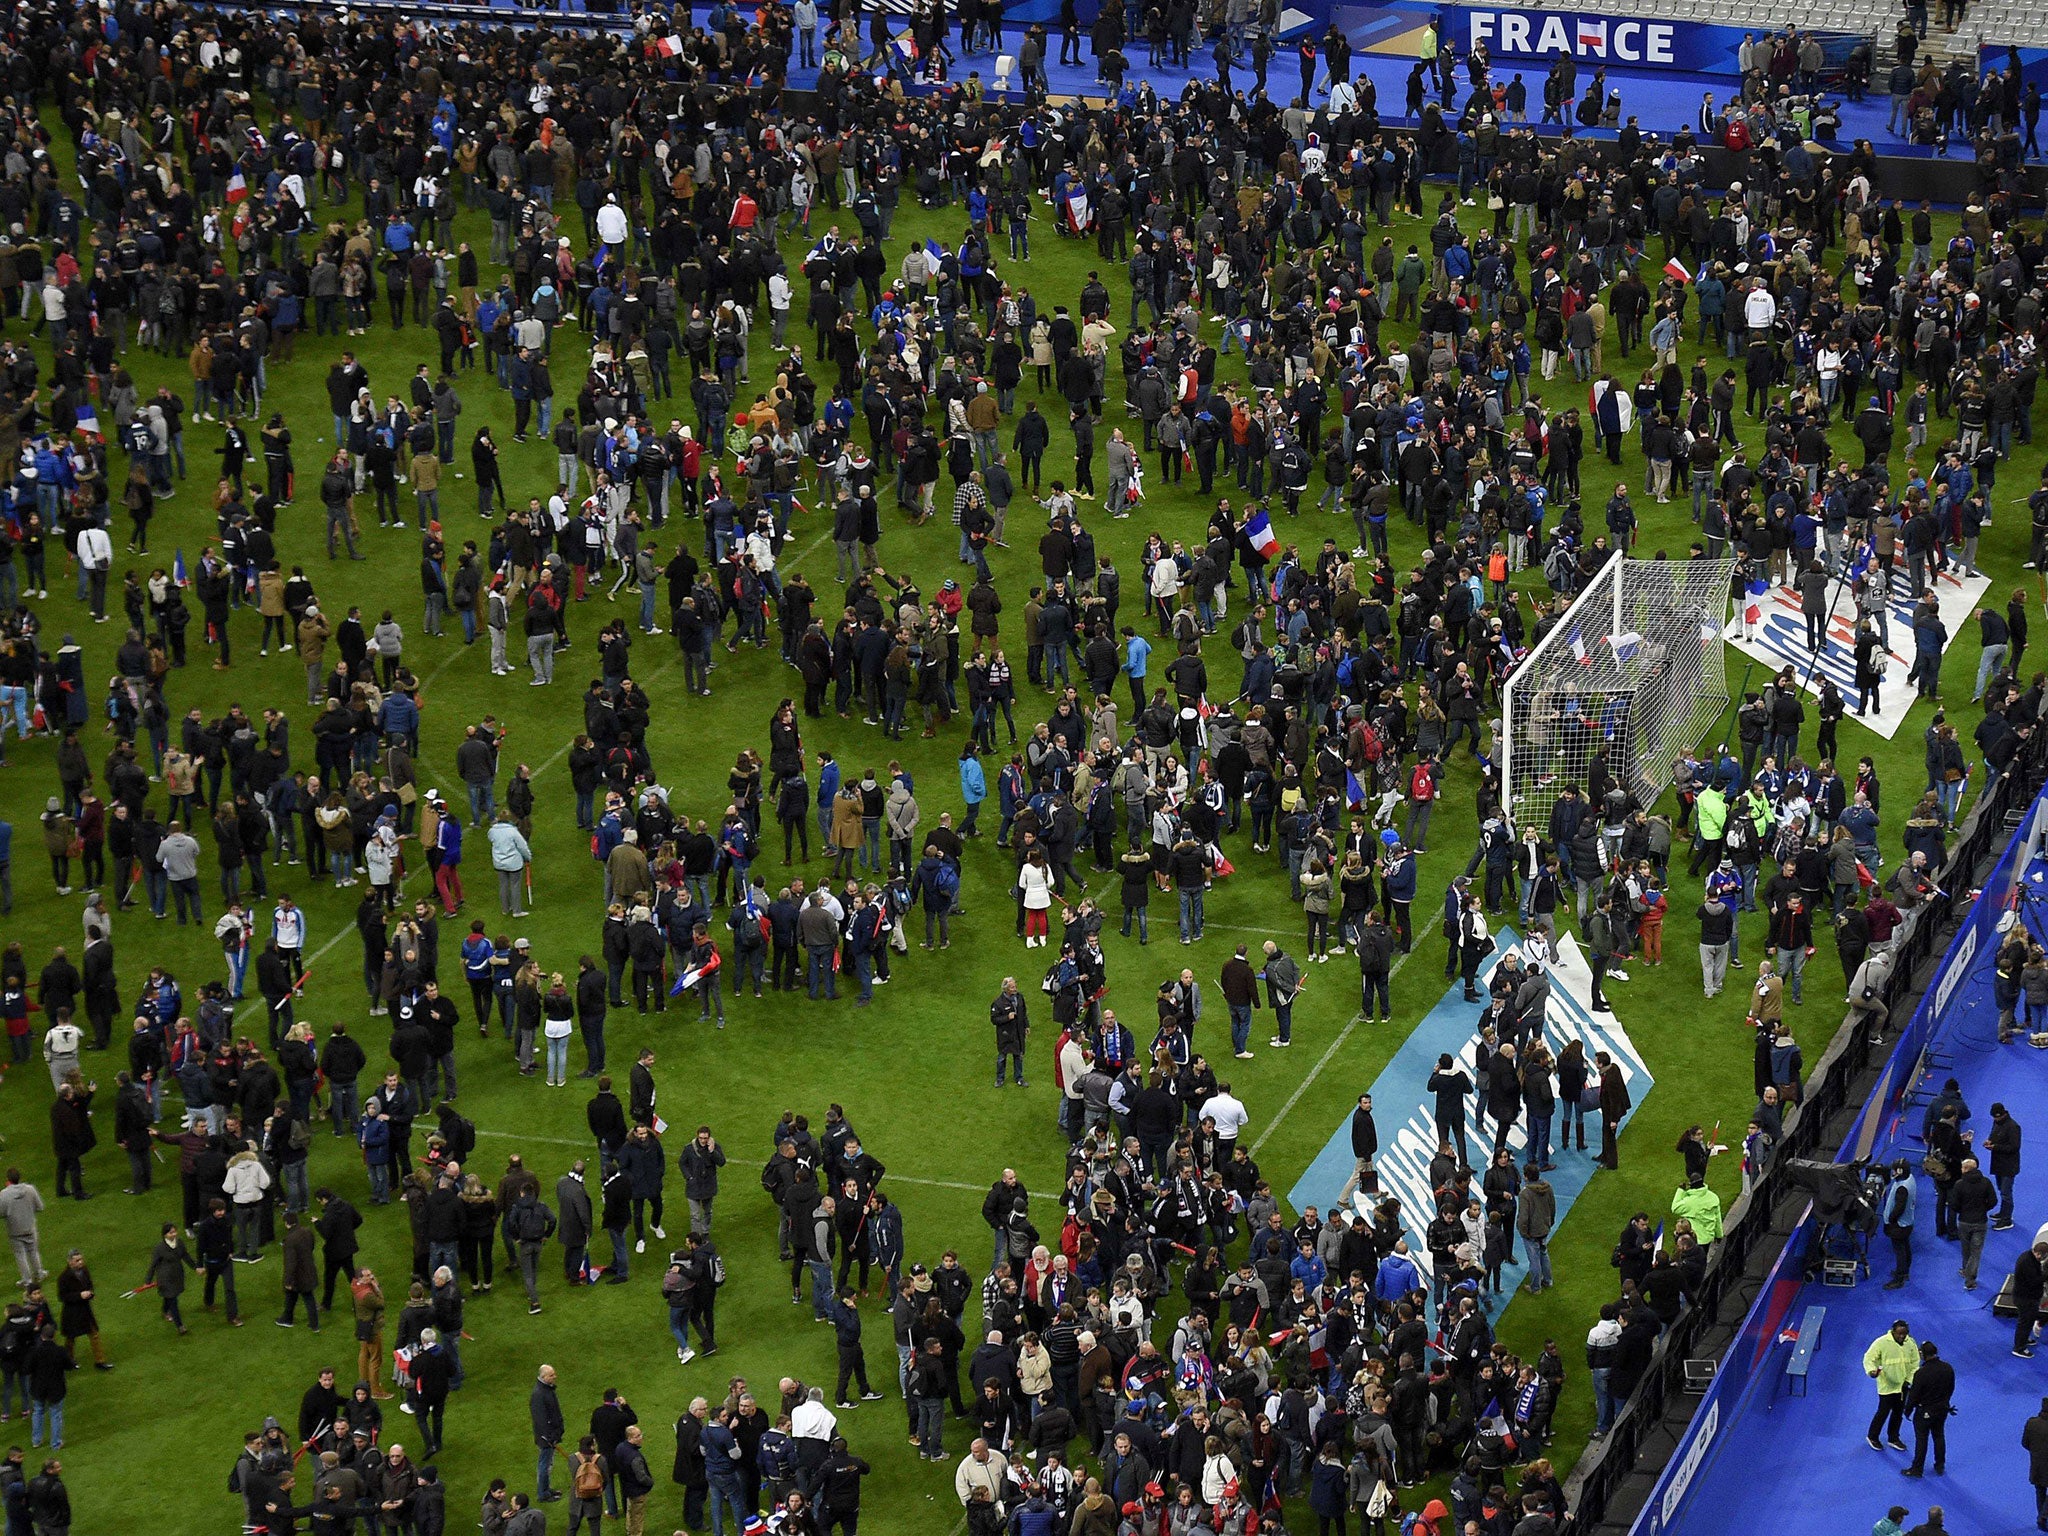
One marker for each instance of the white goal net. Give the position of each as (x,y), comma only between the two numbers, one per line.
(1633,670)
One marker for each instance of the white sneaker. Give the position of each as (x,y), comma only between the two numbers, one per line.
(1617,975)
(684,1357)
(641,1246)
(659,1233)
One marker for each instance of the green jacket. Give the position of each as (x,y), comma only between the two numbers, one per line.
(1712,809)
(1409,275)
(1702,1207)
(1892,1363)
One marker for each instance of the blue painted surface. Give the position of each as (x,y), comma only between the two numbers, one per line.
(1405,1111)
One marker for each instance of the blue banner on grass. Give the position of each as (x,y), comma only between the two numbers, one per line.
(1405,1110)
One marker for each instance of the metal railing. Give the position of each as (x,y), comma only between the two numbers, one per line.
(1839,1081)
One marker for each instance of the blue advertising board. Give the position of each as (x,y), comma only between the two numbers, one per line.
(1519,35)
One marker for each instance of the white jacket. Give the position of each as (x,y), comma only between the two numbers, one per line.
(246,1178)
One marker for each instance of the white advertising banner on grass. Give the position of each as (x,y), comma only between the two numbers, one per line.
(1780,639)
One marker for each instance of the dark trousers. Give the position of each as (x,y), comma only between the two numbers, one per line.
(852,1366)
(1891,1413)
(1930,1425)
(1609,1153)
(221,1273)
(334,1268)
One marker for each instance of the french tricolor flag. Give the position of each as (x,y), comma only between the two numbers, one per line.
(178,576)
(1076,210)
(1258,532)
(668,47)
(907,46)
(1675,270)
(695,974)
(88,419)
(238,188)
(1579,650)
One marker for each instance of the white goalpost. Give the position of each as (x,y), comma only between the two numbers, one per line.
(1634,669)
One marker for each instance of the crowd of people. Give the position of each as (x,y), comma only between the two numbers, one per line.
(1205,1354)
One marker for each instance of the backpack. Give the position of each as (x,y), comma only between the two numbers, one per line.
(946,881)
(589,1480)
(461,1134)
(529,1222)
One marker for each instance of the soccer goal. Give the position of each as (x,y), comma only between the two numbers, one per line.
(1634,669)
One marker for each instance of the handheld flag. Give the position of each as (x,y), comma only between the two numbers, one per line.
(1354,792)
(238,188)
(907,46)
(1625,645)
(695,974)
(1258,532)
(88,420)
(934,252)
(1579,650)
(178,568)
(668,47)
(1675,270)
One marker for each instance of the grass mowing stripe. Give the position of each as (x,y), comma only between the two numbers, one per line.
(892,1176)
(1337,1044)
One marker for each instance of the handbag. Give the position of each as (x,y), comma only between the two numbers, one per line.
(1936,1167)
(1495,202)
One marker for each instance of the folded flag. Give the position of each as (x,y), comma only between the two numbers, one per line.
(1675,270)
(1258,532)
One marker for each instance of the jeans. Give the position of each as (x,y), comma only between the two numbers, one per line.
(1240,1026)
(1792,966)
(724,1496)
(540,1477)
(558,1058)
(931,1426)
(54,1413)
(821,1287)
(679,1326)
(1973,1247)
(1537,1250)
(1603,1401)
(1191,915)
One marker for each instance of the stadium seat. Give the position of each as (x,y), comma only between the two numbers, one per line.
(1005,63)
